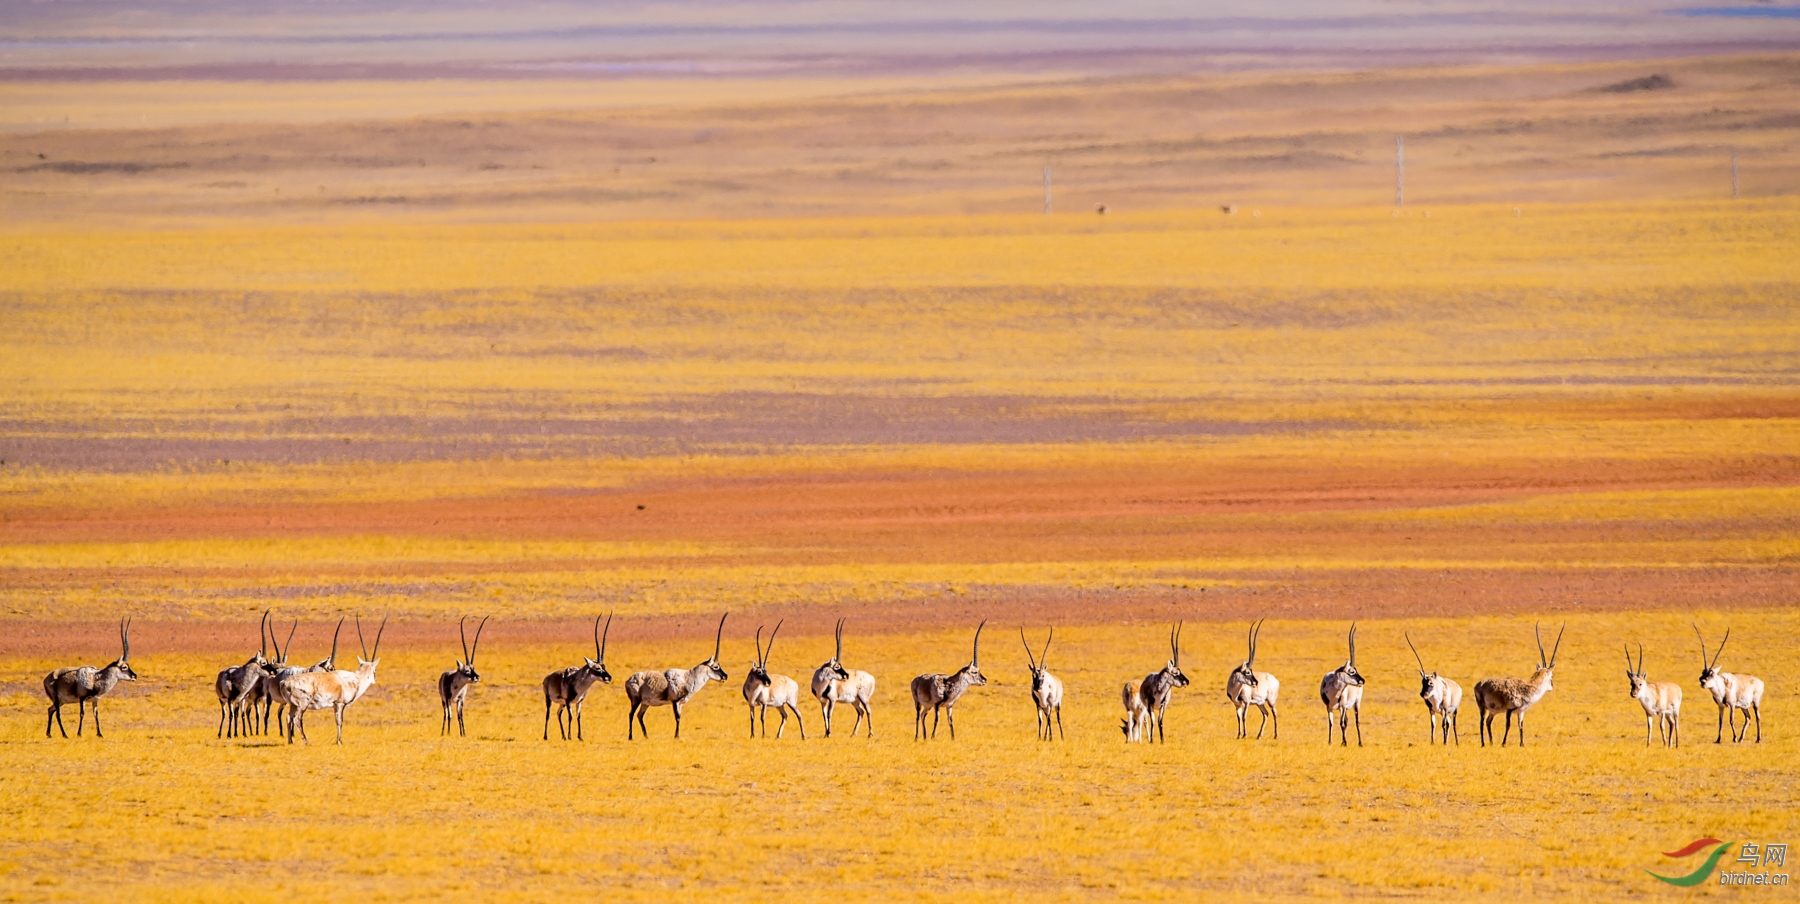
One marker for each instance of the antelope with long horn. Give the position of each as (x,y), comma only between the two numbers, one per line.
(85,685)
(566,689)
(453,686)
(1156,689)
(234,687)
(1246,687)
(936,692)
(1046,689)
(1511,696)
(833,684)
(275,694)
(1442,697)
(671,688)
(763,690)
(1341,691)
(1731,692)
(334,690)
(1661,701)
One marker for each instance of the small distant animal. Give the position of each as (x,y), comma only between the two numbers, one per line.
(1341,690)
(1046,689)
(932,692)
(565,689)
(1246,687)
(85,685)
(1661,701)
(1513,696)
(833,684)
(1228,209)
(453,685)
(763,690)
(1100,209)
(1442,697)
(1731,692)
(1146,709)
(671,688)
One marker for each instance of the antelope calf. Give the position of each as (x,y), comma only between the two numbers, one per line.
(1246,687)
(453,686)
(1661,701)
(1046,689)
(85,685)
(763,690)
(1341,691)
(1731,693)
(1513,696)
(833,684)
(671,688)
(1144,712)
(334,690)
(567,688)
(1442,697)
(1137,716)
(936,692)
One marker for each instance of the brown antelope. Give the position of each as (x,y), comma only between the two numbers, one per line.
(274,694)
(763,690)
(1137,716)
(85,685)
(235,684)
(936,692)
(334,690)
(1245,687)
(1661,701)
(1341,691)
(833,684)
(1442,697)
(453,686)
(671,688)
(1154,693)
(1731,692)
(1515,695)
(567,688)
(1046,689)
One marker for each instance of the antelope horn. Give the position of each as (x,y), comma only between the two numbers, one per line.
(461,628)
(1416,656)
(1558,648)
(262,632)
(1027,644)
(363,645)
(477,647)
(1255,633)
(334,640)
(840,640)
(1628,667)
(1540,642)
(1353,643)
(1715,659)
(976,660)
(1640,670)
(603,635)
(720,637)
(759,652)
(125,639)
(1703,663)
(378,632)
(1045,656)
(770,650)
(1176,640)
(288,647)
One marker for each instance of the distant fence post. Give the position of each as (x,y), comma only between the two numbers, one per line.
(1399,171)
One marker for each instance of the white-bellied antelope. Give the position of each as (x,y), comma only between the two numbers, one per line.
(453,686)
(1046,689)
(235,684)
(763,690)
(833,684)
(334,690)
(85,685)
(936,692)
(566,689)
(671,688)
(1341,691)
(1246,687)
(1513,696)
(1442,697)
(1731,692)
(1661,701)
(1154,693)
(1137,715)
(274,693)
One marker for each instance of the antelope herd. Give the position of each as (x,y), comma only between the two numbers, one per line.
(249,692)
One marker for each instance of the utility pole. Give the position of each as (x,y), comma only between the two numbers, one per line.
(1046,190)
(1734,194)
(1399,171)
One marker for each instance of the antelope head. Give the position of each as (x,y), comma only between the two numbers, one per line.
(760,668)
(1545,664)
(1246,670)
(597,665)
(973,669)
(466,665)
(123,663)
(1428,683)
(1174,667)
(1709,668)
(1349,668)
(369,657)
(1635,674)
(712,664)
(837,668)
(1037,666)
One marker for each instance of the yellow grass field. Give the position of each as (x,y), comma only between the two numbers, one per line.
(1453,421)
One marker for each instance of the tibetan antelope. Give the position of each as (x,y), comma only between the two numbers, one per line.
(334,690)
(1511,696)
(833,684)
(940,692)
(567,688)
(1442,697)
(85,685)
(235,684)
(763,690)
(671,688)
(1137,716)
(1153,694)
(1246,687)
(453,686)
(275,696)
(1046,689)
(1731,692)
(1341,691)
(1661,701)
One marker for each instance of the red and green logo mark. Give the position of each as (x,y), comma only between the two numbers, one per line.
(1700,875)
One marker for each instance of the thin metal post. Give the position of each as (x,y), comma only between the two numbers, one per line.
(1399,172)
(1046,189)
